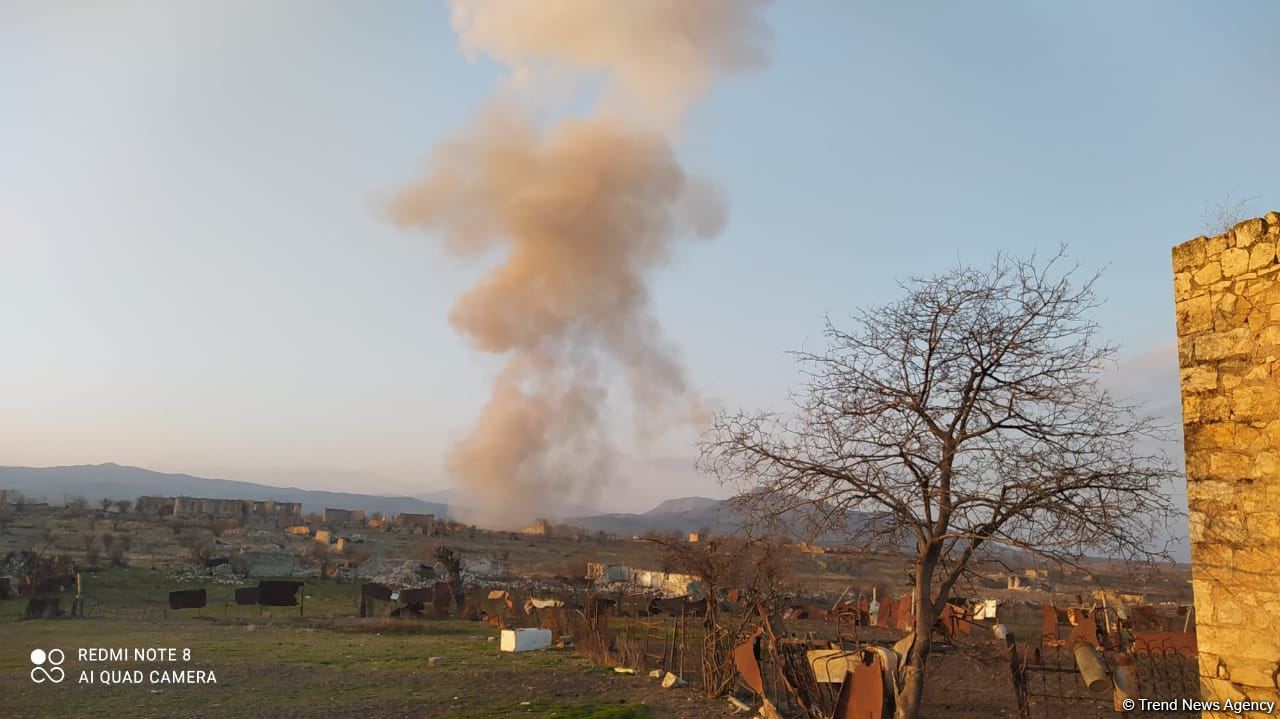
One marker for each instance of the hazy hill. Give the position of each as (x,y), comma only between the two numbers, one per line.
(94,482)
(453,498)
(686,504)
(694,514)
(687,514)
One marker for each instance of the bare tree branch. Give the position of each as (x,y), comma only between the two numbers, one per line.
(965,417)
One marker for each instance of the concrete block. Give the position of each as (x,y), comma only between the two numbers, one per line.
(525,640)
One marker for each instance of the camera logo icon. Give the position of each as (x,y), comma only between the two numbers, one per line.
(54,673)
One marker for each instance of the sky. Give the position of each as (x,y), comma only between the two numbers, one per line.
(197,273)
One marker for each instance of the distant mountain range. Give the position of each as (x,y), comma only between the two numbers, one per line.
(114,481)
(95,482)
(99,481)
(686,514)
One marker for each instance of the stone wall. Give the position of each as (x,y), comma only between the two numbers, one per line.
(1227,292)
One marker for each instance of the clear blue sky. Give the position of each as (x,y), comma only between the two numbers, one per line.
(195,275)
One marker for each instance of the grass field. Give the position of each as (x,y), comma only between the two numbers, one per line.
(321,667)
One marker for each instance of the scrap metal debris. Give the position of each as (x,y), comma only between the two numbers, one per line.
(188,599)
(278,593)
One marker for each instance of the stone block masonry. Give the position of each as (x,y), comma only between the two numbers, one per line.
(1227,295)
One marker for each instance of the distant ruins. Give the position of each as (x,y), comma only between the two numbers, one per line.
(409,520)
(540,528)
(670,583)
(203,508)
(1227,293)
(343,516)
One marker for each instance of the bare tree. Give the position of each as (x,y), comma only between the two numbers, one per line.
(120,552)
(91,553)
(451,561)
(320,555)
(106,503)
(199,546)
(757,568)
(1220,217)
(963,417)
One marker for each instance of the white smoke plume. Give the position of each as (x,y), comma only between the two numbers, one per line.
(581,211)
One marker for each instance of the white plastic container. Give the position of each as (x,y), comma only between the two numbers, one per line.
(525,640)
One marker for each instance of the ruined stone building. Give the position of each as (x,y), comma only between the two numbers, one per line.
(202,508)
(158,506)
(410,520)
(281,511)
(1227,293)
(343,516)
(540,528)
(671,584)
(236,509)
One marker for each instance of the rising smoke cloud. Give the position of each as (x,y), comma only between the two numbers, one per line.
(581,212)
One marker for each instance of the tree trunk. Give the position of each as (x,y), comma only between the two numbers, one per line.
(910,692)
(459,594)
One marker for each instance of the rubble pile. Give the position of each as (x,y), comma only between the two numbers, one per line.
(398,573)
(221,574)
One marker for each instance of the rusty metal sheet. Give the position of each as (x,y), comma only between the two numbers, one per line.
(1155,643)
(1145,618)
(1049,624)
(422,595)
(442,596)
(278,593)
(906,618)
(955,621)
(373,590)
(246,596)
(862,693)
(188,599)
(747,662)
(884,618)
(1086,629)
